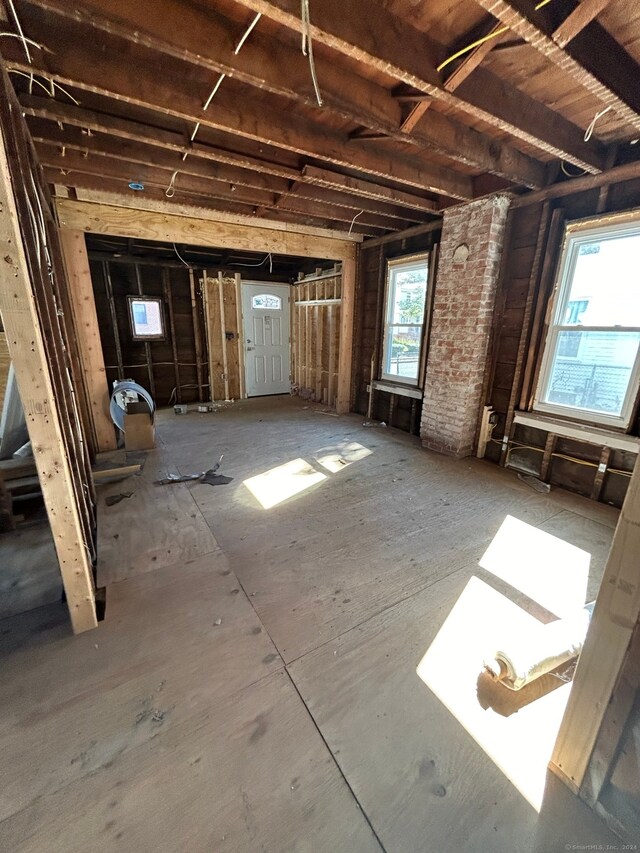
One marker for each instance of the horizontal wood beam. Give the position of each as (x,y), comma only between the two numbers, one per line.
(325,178)
(414,231)
(187,33)
(221,233)
(238,164)
(73,165)
(411,57)
(73,139)
(601,65)
(164,87)
(576,21)
(628,172)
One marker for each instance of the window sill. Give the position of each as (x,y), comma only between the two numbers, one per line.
(400,390)
(571,429)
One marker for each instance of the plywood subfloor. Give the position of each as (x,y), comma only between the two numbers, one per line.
(261,688)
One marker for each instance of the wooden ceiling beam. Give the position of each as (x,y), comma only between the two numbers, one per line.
(394,48)
(119,128)
(188,34)
(72,163)
(366,189)
(587,11)
(159,84)
(133,154)
(593,58)
(462,70)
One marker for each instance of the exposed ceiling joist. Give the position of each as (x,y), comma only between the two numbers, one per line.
(411,57)
(462,70)
(187,34)
(158,86)
(73,164)
(260,170)
(593,58)
(133,153)
(587,11)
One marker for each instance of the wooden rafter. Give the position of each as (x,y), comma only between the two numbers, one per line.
(461,71)
(187,33)
(72,139)
(238,164)
(594,59)
(411,57)
(576,21)
(162,85)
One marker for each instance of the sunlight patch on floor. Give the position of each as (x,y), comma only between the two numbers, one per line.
(339,457)
(277,485)
(549,570)
(516,730)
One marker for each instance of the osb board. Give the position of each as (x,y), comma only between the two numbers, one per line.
(166,731)
(168,525)
(29,572)
(5,361)
(408,742)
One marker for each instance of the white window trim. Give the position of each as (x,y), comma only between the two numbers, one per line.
(407,260)
(581,234)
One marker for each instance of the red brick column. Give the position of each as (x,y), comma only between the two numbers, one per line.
(470,252)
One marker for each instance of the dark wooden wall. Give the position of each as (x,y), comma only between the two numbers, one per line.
(398,411)
(180,361)
(532,251)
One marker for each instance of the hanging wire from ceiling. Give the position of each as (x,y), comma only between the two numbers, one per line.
(492,35)
(52,83)
(19,28)
(170,191)
(589,131)
(268,257)
(175,249)
(307,47)
(354,220)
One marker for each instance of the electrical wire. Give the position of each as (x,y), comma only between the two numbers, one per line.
(307,47)
(19,28)
(493,34)
(247,33)
(23,39)
(171,189)
(180,256)
(589,131)
(518,446)
(353,221)
(570,174)
(52,83)
(263,261)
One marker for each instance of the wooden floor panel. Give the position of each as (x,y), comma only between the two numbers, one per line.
(254,683)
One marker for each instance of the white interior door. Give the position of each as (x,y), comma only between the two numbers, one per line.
(265,312)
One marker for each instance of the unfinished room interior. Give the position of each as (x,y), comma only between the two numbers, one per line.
(319,426)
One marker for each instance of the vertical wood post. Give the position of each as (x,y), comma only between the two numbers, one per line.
(614,618)
(85,321)
(343,398)
(27,349)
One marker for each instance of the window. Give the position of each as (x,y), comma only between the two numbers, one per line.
(407,280)
(266,300)
(591,361)
(147,321)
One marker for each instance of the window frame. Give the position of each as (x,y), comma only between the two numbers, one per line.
(579,234)
(416,259)
(132,323)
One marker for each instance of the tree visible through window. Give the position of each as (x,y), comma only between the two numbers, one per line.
(404,321)
(591,362)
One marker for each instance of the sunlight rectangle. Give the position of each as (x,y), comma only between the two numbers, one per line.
(517,731)
(340,456)
(277,485)
(547,569)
